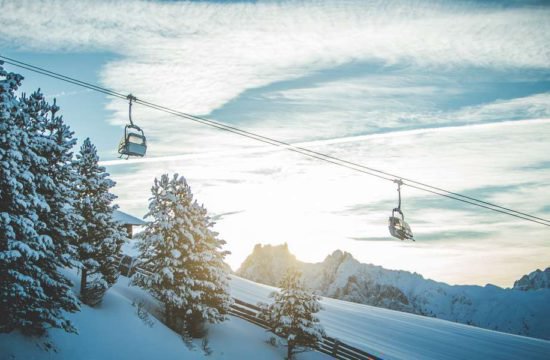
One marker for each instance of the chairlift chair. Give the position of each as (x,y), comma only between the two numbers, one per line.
(396,224)
(133,142)
(398,227)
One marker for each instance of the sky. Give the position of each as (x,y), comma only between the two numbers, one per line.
(455,94)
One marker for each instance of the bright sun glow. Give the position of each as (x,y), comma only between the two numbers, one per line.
(453,95)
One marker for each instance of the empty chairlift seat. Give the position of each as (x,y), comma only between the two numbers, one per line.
(133,143)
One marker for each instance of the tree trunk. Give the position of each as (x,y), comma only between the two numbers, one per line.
(168,315)
(290,348)
(83,282)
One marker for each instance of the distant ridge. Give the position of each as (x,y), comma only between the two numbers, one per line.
(340,276)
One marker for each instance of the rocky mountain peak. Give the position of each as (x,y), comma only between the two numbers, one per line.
(536,280)
(268,263)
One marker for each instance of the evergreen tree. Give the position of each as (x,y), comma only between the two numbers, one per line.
(100,237)
(184,256)
(56,179)
(292,314)
(33,294)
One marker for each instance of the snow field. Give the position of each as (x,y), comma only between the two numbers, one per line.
(114,331)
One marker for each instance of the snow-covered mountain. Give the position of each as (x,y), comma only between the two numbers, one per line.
(536,280)
(342,277)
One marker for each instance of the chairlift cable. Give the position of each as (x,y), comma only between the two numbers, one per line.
(294,148)
(62,77)
(393,176)
(339,162)
(482,206)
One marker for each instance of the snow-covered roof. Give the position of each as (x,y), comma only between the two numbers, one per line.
(127,219)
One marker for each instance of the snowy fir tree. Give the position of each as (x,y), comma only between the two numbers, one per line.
(100,237)
(33,294)
(184,257)
(56,178)
(292,315)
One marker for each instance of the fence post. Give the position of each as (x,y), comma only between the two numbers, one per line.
(335,348)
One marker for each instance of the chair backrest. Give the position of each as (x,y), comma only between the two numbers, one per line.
(136,139)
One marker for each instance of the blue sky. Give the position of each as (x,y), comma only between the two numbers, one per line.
(455,94)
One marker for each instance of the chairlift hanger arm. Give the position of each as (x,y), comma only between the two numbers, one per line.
(399,182)
(130,98)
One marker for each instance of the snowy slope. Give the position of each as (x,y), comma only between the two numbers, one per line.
(114,331)
(397,335)
(340,276)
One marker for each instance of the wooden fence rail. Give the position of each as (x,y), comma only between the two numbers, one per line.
(249,312)
(329,345)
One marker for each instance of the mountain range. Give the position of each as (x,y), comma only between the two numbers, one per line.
(522,310)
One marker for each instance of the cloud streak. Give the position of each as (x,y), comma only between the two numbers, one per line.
(187,47)
(410,58)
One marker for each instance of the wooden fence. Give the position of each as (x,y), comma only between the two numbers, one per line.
(249,312)
(329,345)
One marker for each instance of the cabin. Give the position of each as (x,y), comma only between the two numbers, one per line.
(128,221)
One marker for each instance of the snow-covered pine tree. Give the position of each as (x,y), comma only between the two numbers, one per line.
(100,237)
(292,314)
(57,178)
(184,256)
(33,295)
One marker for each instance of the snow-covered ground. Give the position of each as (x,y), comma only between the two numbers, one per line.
(114,331)
(398,335)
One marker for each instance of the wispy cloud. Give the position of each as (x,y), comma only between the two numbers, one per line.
(66,93)
(529,107)
(200,57)
(183,49)
(379,103)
